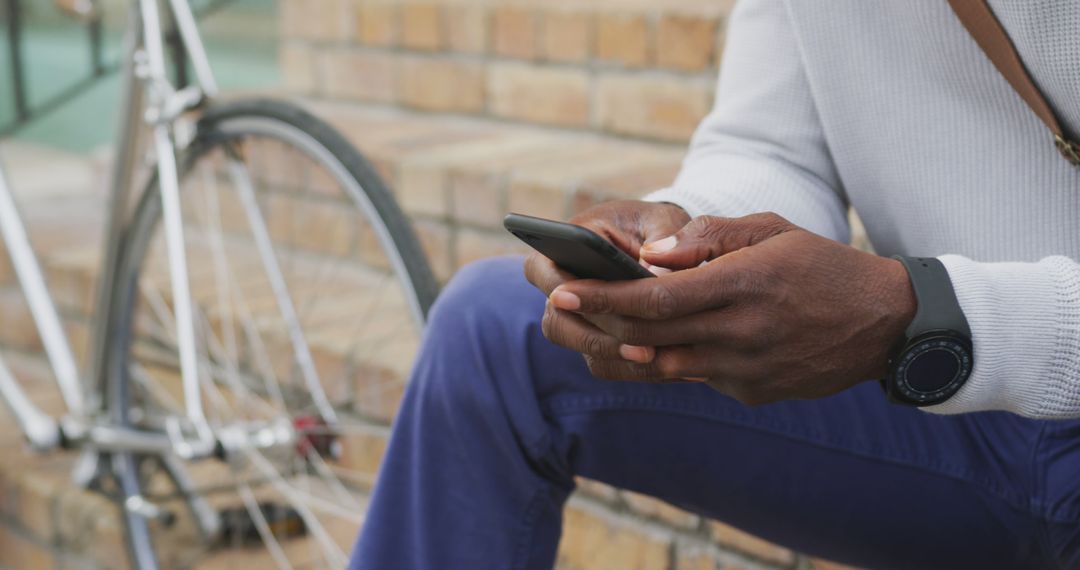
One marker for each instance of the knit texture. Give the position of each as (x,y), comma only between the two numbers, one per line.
(892,108)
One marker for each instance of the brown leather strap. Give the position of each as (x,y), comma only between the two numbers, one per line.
(988,32)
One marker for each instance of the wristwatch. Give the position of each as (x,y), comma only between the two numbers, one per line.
(935,357)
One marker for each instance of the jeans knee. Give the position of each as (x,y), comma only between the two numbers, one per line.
(490,294)
(479,368)
(476,337)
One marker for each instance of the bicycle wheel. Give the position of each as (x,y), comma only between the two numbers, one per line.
(309,290)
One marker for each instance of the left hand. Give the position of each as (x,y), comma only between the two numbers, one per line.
(758,308)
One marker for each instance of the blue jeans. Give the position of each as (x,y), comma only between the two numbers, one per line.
(497,422)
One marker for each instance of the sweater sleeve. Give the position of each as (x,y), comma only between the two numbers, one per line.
(1025,325)
(763,147)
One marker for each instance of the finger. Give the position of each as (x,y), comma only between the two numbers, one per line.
(670,364)
(619,229)
(629,224)
(619,369)
(707,237)
(692,363)
(654,269)
(544,274)
(569,330)
(641,353)
(730,327)
(666,297)
(659,225)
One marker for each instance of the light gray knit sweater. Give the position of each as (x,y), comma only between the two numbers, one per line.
(892,108)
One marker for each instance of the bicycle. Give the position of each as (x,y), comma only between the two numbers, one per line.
(242,296)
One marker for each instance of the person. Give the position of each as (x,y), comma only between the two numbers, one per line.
(746,375)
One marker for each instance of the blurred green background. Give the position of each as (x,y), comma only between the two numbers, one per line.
(241,38)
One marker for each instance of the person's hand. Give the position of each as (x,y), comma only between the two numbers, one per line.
(628,224)
(759,309)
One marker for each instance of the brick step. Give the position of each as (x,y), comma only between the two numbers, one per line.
(455,177)
(636,69)
(458,177)
(46,520)
(44,517)
(348,324)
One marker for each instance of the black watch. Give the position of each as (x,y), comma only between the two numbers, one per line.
(935,357)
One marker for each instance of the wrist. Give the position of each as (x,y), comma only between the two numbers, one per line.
(937,355)
(900,305)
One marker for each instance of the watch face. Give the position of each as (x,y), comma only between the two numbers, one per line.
(933,368)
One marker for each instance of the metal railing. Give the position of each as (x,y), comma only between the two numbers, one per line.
(17,86)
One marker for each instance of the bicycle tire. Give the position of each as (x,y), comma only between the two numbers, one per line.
(214,130)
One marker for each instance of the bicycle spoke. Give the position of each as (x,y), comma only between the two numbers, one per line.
(333,553)
(224,287)
(302,338)
(273,272)
(263,528)
(328,475)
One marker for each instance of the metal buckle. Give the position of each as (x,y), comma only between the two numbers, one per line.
(1068,149)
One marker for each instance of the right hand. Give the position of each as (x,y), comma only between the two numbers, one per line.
(629,224)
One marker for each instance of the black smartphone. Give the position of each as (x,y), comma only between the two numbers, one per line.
(576,249)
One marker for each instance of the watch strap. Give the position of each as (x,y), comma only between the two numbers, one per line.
(938,308)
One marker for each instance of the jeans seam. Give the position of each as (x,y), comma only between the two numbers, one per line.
(1038,475)
(521,551)
(1040,481)
(599,404)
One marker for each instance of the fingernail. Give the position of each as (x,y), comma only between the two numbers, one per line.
(660,246)
(639,354)
(658,271)
(565,300)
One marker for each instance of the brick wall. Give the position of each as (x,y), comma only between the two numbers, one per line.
(637,69)
(474,108)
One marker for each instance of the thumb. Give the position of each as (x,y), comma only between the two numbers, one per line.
(707,237)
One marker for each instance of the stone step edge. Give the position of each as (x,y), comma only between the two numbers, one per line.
(592,62)
(417,149)
(466,173)
(719,7)
(456,177)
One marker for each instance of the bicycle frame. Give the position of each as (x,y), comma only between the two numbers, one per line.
(97,421)
(149,99)
(41,430)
